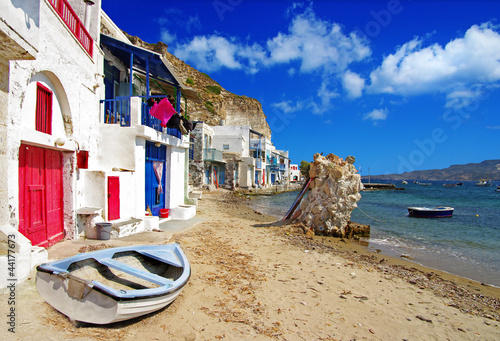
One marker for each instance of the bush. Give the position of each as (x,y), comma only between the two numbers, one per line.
(214,89)
(210,106)
(189,81)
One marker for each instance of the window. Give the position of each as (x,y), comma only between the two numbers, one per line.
(225,146)
(43,109)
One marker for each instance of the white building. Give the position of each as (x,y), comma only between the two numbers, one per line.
(72,152)
(294,173)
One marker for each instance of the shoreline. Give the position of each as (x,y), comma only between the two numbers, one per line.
(255,279)
(386,251)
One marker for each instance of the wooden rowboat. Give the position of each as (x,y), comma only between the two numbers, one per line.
(114,284)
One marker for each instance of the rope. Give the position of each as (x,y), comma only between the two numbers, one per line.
(371,216)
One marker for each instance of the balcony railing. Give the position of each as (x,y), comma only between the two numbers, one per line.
(282,167)
(258,164)
(68,15)
(117,111)
(155,123)
(212,154)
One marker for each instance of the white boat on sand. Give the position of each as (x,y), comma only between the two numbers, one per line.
(114,284)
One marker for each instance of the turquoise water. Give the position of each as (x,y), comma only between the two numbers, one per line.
(468,244)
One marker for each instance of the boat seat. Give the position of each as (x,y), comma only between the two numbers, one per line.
(148,276)
(163,256)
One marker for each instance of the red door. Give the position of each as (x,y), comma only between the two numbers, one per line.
(40,195)
(113,198)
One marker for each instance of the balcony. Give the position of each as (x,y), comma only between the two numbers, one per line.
(212,154)
(68,15)
(258,164)
(119,111)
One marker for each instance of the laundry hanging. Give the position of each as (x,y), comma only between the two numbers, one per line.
(158,168)
(163,111)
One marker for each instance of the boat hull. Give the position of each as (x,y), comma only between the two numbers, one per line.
(94,302)
(423,212)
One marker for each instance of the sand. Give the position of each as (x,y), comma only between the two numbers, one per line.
(253,280)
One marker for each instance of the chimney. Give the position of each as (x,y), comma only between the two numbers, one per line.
(88,12)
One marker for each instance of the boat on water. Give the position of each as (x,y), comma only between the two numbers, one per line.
(498,189)
(114,284)
(424,183)
(483,183)
(425,212)
(449,185)
(404,182)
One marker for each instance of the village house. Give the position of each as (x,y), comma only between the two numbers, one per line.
(234,157)
(78,144)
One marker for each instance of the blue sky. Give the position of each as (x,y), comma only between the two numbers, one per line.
(401,85)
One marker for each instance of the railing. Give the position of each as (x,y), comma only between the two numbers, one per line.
(117,111)
(282,167)
(155,123)
(212,154)
(258,164)
(74,24)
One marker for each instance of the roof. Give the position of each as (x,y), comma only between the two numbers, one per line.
(159,70)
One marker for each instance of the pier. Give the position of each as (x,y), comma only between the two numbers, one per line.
(379,186)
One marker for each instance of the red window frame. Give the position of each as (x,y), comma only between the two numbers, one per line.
(43,109)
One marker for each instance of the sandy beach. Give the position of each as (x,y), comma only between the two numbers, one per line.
(254,280)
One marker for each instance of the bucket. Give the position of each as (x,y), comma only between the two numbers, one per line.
(164,212)
(102,231)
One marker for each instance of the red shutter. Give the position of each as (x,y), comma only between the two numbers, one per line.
(43,109)
(113,198)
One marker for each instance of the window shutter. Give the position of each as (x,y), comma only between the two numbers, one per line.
(43,109)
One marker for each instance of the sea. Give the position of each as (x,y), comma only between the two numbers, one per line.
(467,244)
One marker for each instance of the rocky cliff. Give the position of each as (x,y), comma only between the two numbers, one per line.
(216,103)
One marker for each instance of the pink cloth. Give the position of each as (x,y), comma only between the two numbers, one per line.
(162,111)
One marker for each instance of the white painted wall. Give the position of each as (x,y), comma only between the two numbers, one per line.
(175,176)
(20,21)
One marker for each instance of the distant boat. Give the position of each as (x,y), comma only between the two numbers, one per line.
(436,212)
(404,182)
(114,284)
(424,183)
(483,183)
(498,189)
(449,185)
(460,183)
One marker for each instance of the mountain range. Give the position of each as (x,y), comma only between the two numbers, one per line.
(488,170)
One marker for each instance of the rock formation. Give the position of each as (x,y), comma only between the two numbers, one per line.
(216,103)
(334,193)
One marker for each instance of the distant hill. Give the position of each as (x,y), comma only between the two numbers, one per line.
(489,170)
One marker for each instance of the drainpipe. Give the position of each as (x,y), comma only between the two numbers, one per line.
(88,11)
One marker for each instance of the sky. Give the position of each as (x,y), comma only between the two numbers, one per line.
(401,85)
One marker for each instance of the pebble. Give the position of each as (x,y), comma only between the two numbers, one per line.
(423,318)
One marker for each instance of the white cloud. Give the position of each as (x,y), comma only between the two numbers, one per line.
(167,37)
(316,44)
(288,106)
(353,84)
(462,63)
(376,115)
(495,128)
(310,41)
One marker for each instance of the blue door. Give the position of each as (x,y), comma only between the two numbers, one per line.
(273,178)
(257,178)
(207,175)
(222,175)
(155,197)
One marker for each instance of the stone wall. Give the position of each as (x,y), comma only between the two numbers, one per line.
(334,193)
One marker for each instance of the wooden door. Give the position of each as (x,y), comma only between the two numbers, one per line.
(40,195)
(113,198)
